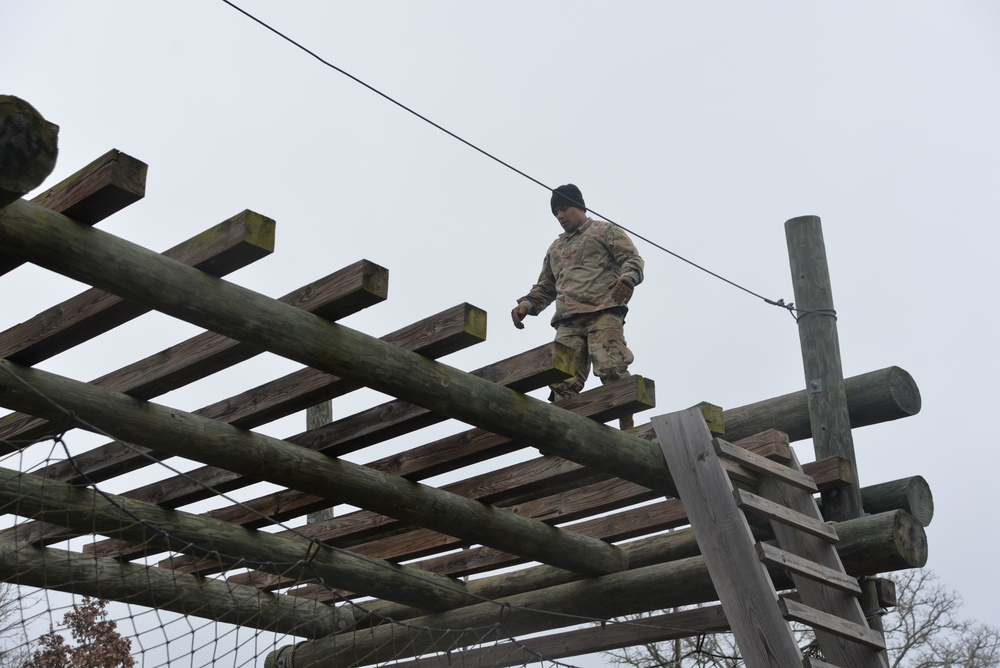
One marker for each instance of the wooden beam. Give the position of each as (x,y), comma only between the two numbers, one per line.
(104,187)
(71,572)
(614,635)
(28,148)
(230,245)
(455,328)
(829,415)
(882,543)
(872,398)
(57,243)
(342,293)
(85,510)
(556,360)
(256,455)
(911,494)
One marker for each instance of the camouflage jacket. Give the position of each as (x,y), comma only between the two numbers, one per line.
(578,268)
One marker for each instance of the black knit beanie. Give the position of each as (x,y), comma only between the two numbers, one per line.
(567,195)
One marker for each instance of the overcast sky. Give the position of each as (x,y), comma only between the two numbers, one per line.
(702,126)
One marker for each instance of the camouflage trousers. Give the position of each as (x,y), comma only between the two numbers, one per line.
(598,340)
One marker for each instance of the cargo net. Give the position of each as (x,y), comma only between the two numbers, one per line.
(96,578)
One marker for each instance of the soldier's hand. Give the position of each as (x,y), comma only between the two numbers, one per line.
(518,314)
(621,289)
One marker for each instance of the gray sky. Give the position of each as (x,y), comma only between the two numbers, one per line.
(702,126)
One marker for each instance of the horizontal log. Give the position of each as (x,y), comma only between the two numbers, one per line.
(85,510)
(338,295)
(104,187)
(230,245)
(910,494)
(55,242)
(28,148)
(603,638)
(255,455)
(71,572)
(887,542)
(676,583)
(872,398)
(454,328)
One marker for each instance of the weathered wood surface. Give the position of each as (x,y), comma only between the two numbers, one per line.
(71,572)
(536,367)
(872,398)
(881,543)
(28,148)
(815,595)
(555,646)
(455,328)
(452,452)
(338,295)
(255,455)
(910,494)
(829,415)
(57,243)
(743,584)
(85,510)
(224,248)
(104,187)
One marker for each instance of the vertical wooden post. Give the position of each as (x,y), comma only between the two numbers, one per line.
(817,318)
(824,375)
(317,416)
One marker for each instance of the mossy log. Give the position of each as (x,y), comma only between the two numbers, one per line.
(71,572)
(28,149)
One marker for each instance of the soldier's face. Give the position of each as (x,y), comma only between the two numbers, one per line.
(571,218)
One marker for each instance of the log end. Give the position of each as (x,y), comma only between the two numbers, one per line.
(904,391)
(28,148)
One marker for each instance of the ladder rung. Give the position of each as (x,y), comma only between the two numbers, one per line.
(763,465)
(770,554)
(818,619)
(785,515)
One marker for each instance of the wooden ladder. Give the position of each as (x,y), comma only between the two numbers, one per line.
(703,469)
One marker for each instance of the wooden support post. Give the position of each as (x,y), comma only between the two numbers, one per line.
(828,413)
(318,416)
(817,318)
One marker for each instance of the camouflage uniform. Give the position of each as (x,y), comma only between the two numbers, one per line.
(578,268)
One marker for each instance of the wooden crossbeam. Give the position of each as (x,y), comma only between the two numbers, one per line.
(230,245)
(102,188)
(336,296)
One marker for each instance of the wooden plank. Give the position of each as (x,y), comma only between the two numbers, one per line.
(232,244)
(342,293)
(832,624)
(813,662)
(780,513)
(774,556)
(759,464)
(102,188)
(256,455)
(745,590)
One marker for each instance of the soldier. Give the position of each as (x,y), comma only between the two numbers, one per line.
(590,272)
